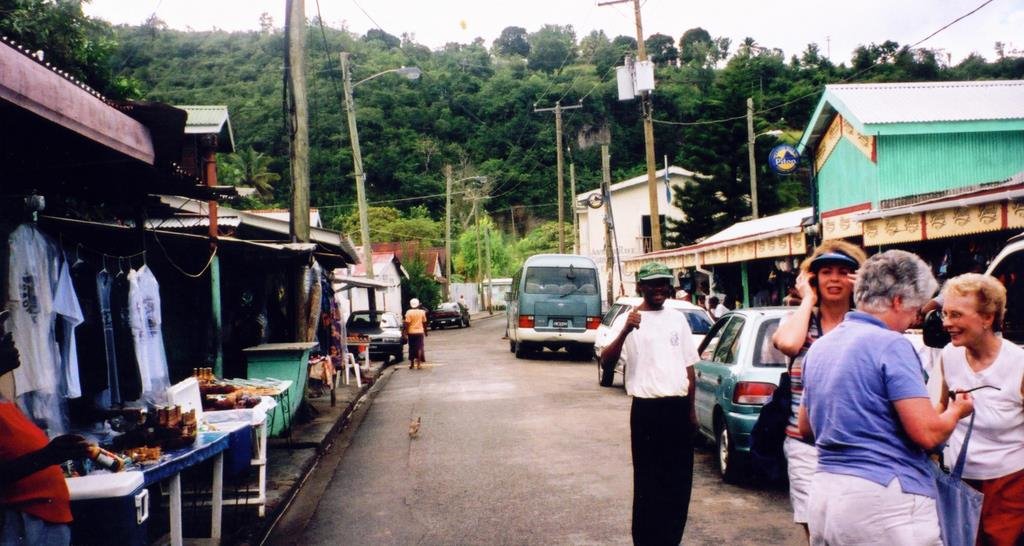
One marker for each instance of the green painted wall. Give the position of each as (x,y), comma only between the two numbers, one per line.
(916,164)
(848,177)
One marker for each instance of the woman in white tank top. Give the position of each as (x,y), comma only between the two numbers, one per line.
(978,358)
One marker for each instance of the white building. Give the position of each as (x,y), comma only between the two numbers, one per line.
(631,210)
(387,269)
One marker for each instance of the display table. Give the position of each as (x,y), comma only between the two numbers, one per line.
(231,421)
(282,361)
(208,445)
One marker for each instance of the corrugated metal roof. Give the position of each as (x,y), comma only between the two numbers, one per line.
(209,119)
(918,102)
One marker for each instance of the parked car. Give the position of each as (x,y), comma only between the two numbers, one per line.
(384,329)
(698,318)
(737,373)
(1008,267)
(554,303)
(449,314)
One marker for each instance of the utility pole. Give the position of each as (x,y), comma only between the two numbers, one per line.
(299,118)
(479,261)
(750,156)
(648,115)
(558,157)
(609,252)
(357,165)
(487,245)
(448,228)
(572,210)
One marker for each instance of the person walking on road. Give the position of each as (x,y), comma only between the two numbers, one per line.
(415,326)
(657,346)
(977,358)
(825,286)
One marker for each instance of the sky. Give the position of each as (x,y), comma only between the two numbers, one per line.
(837,26)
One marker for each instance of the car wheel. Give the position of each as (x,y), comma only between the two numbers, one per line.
(522,350)
(399,356)
(728,462)
(511,346)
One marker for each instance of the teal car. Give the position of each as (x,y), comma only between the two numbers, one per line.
(737,373)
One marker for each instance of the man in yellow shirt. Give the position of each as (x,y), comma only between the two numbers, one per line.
(416,328)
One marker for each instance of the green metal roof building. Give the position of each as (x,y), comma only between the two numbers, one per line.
(898,162)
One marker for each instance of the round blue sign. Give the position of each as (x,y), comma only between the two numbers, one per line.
(784,159)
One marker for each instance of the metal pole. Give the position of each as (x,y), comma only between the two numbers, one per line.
(479,261)
(487,245)
(357,164)
(561,191)
(448,227)
(750,156)
(572,200)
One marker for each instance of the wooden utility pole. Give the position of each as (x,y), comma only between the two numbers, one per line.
(479,261)
(648,115)
(609,252)
(295,65)
(750,157)
(558,157)
(572,210)
(448,228)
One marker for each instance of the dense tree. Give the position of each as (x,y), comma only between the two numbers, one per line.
(551,48)
(661,49)
(512,41)
(694,46)
(382,38)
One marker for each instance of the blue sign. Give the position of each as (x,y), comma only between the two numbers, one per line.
(784,159)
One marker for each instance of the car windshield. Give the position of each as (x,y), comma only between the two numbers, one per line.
(364,318)
(560,281)
(699,322)
(448,307)
(766,354)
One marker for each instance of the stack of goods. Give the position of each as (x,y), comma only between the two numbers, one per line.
(222,396)
(174,429)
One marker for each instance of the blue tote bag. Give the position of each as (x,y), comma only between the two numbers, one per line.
(958,504)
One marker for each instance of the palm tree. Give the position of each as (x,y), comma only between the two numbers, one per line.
(248,167)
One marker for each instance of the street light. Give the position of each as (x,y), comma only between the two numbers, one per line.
(750,154)
(409,72)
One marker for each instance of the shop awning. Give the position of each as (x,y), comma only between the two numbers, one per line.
(768,237)
(990,209)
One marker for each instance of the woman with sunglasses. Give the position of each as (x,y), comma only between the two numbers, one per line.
(978,359)
(825,286)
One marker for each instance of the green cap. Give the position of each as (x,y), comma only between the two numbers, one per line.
(653,270)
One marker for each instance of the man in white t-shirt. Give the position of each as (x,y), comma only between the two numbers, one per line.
(657,347)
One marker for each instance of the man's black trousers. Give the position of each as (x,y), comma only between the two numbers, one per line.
(662,440)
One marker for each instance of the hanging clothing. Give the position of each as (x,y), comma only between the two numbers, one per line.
(70,313)
(129,378)
(144,309)
(91,354)
(34,282)
(104,289)
(330,334)
(311,285)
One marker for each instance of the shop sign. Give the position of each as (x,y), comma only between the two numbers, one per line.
(773,246)
(1015,213)
(894,229)
(742,252)
(840,227)
(963,220)
(784,159)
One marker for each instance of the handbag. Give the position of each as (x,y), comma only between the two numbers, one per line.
(768,436)
(958,504)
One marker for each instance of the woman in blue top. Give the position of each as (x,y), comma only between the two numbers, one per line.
(866,406)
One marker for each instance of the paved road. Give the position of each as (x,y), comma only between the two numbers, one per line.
(511,452)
